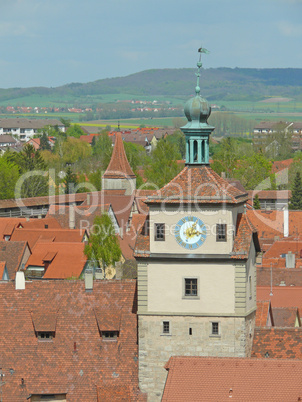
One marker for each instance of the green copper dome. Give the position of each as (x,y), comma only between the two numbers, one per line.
(197,130)
(197,109)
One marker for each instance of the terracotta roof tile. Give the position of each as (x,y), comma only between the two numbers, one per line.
(262,313)
(198,184)
(2,267)
(142,246)
(77,361)
(279,276)
(270,194)
(43,320)
(245,233)
(119,166)
(277,343)
(69,260)
(280,165)
(270,225)
(13,252)
(282,296)
(238,379)
(108,320)
(114,393)
(285,316)
(43,201)
(57,235)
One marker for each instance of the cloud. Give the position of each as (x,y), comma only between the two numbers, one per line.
(290,29)
(10,29)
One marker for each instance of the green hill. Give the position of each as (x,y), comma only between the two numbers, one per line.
(216,83)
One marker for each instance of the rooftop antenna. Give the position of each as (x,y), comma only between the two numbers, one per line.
(199,65)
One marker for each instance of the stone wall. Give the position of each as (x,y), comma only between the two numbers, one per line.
(155,348)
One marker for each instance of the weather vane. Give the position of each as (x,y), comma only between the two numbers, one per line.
(199,65)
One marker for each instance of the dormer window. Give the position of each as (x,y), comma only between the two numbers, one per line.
(110,335)
(44,324)
(108,323)
(45,336)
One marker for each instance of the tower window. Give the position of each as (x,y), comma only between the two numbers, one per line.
(166,327)
(159,232)
(221,233)
(215,328)
(191,287)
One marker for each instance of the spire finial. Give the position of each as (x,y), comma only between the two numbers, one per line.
(199,65)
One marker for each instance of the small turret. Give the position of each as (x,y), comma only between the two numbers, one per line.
(119,174)
(197,130)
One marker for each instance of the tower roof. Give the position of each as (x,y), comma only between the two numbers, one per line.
(119,167)
(198,184)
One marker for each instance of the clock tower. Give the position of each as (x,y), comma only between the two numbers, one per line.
(196,263)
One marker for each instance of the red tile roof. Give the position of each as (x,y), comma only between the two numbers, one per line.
(284,246)
(238,379)
(119,166)
(270,225)
(57,235)
(286,276)
(7,225)
(277,195)
(277,343)
(2,267)
(262,313)
(142,246)
(68,262)
(43,201)
(245,233)
(77,361)
(283,296)
(13,252)
(285,316)
(280,165)
(198,184)
(49,223)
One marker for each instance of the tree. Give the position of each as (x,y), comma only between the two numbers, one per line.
(70,181)
(296,198)
(102,148)
(163,167)
(9,174)
(253,171)
(34,178)
(73,150)
(75,131)
(103,248)
(256,202)
(178,138)
(44,143)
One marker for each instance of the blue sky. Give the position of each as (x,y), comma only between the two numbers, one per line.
(55,42)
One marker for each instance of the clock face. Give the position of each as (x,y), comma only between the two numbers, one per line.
(190,232)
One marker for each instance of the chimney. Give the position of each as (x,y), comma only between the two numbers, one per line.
(71,217)
(88,280)
(223,175)
(285,221)
(88,199)
(20,280)
(290,260)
